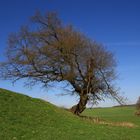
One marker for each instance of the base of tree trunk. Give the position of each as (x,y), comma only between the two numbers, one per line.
(81,106)
(77,110)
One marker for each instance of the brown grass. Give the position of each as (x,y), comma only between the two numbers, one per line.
(104,122)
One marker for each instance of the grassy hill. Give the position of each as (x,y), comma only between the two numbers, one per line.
(26,118)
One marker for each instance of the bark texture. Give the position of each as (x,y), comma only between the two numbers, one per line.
(81,106)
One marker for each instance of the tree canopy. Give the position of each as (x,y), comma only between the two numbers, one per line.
(50,51)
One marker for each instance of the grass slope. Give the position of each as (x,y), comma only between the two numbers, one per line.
(26,118)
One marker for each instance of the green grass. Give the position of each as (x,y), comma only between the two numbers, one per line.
(26,118)
(115,114)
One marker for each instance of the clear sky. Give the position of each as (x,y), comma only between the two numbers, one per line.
(114,23)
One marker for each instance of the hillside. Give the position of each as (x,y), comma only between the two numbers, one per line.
(26,118)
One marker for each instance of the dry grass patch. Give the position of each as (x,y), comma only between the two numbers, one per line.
(101,121)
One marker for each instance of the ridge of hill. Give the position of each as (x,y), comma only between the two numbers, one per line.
(26,118)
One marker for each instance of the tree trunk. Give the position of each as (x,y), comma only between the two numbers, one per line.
(81,106)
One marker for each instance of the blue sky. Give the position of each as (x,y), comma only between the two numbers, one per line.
(114,23)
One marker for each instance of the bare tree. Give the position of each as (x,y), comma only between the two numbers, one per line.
(138,107)
(56,52)
(138,103)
